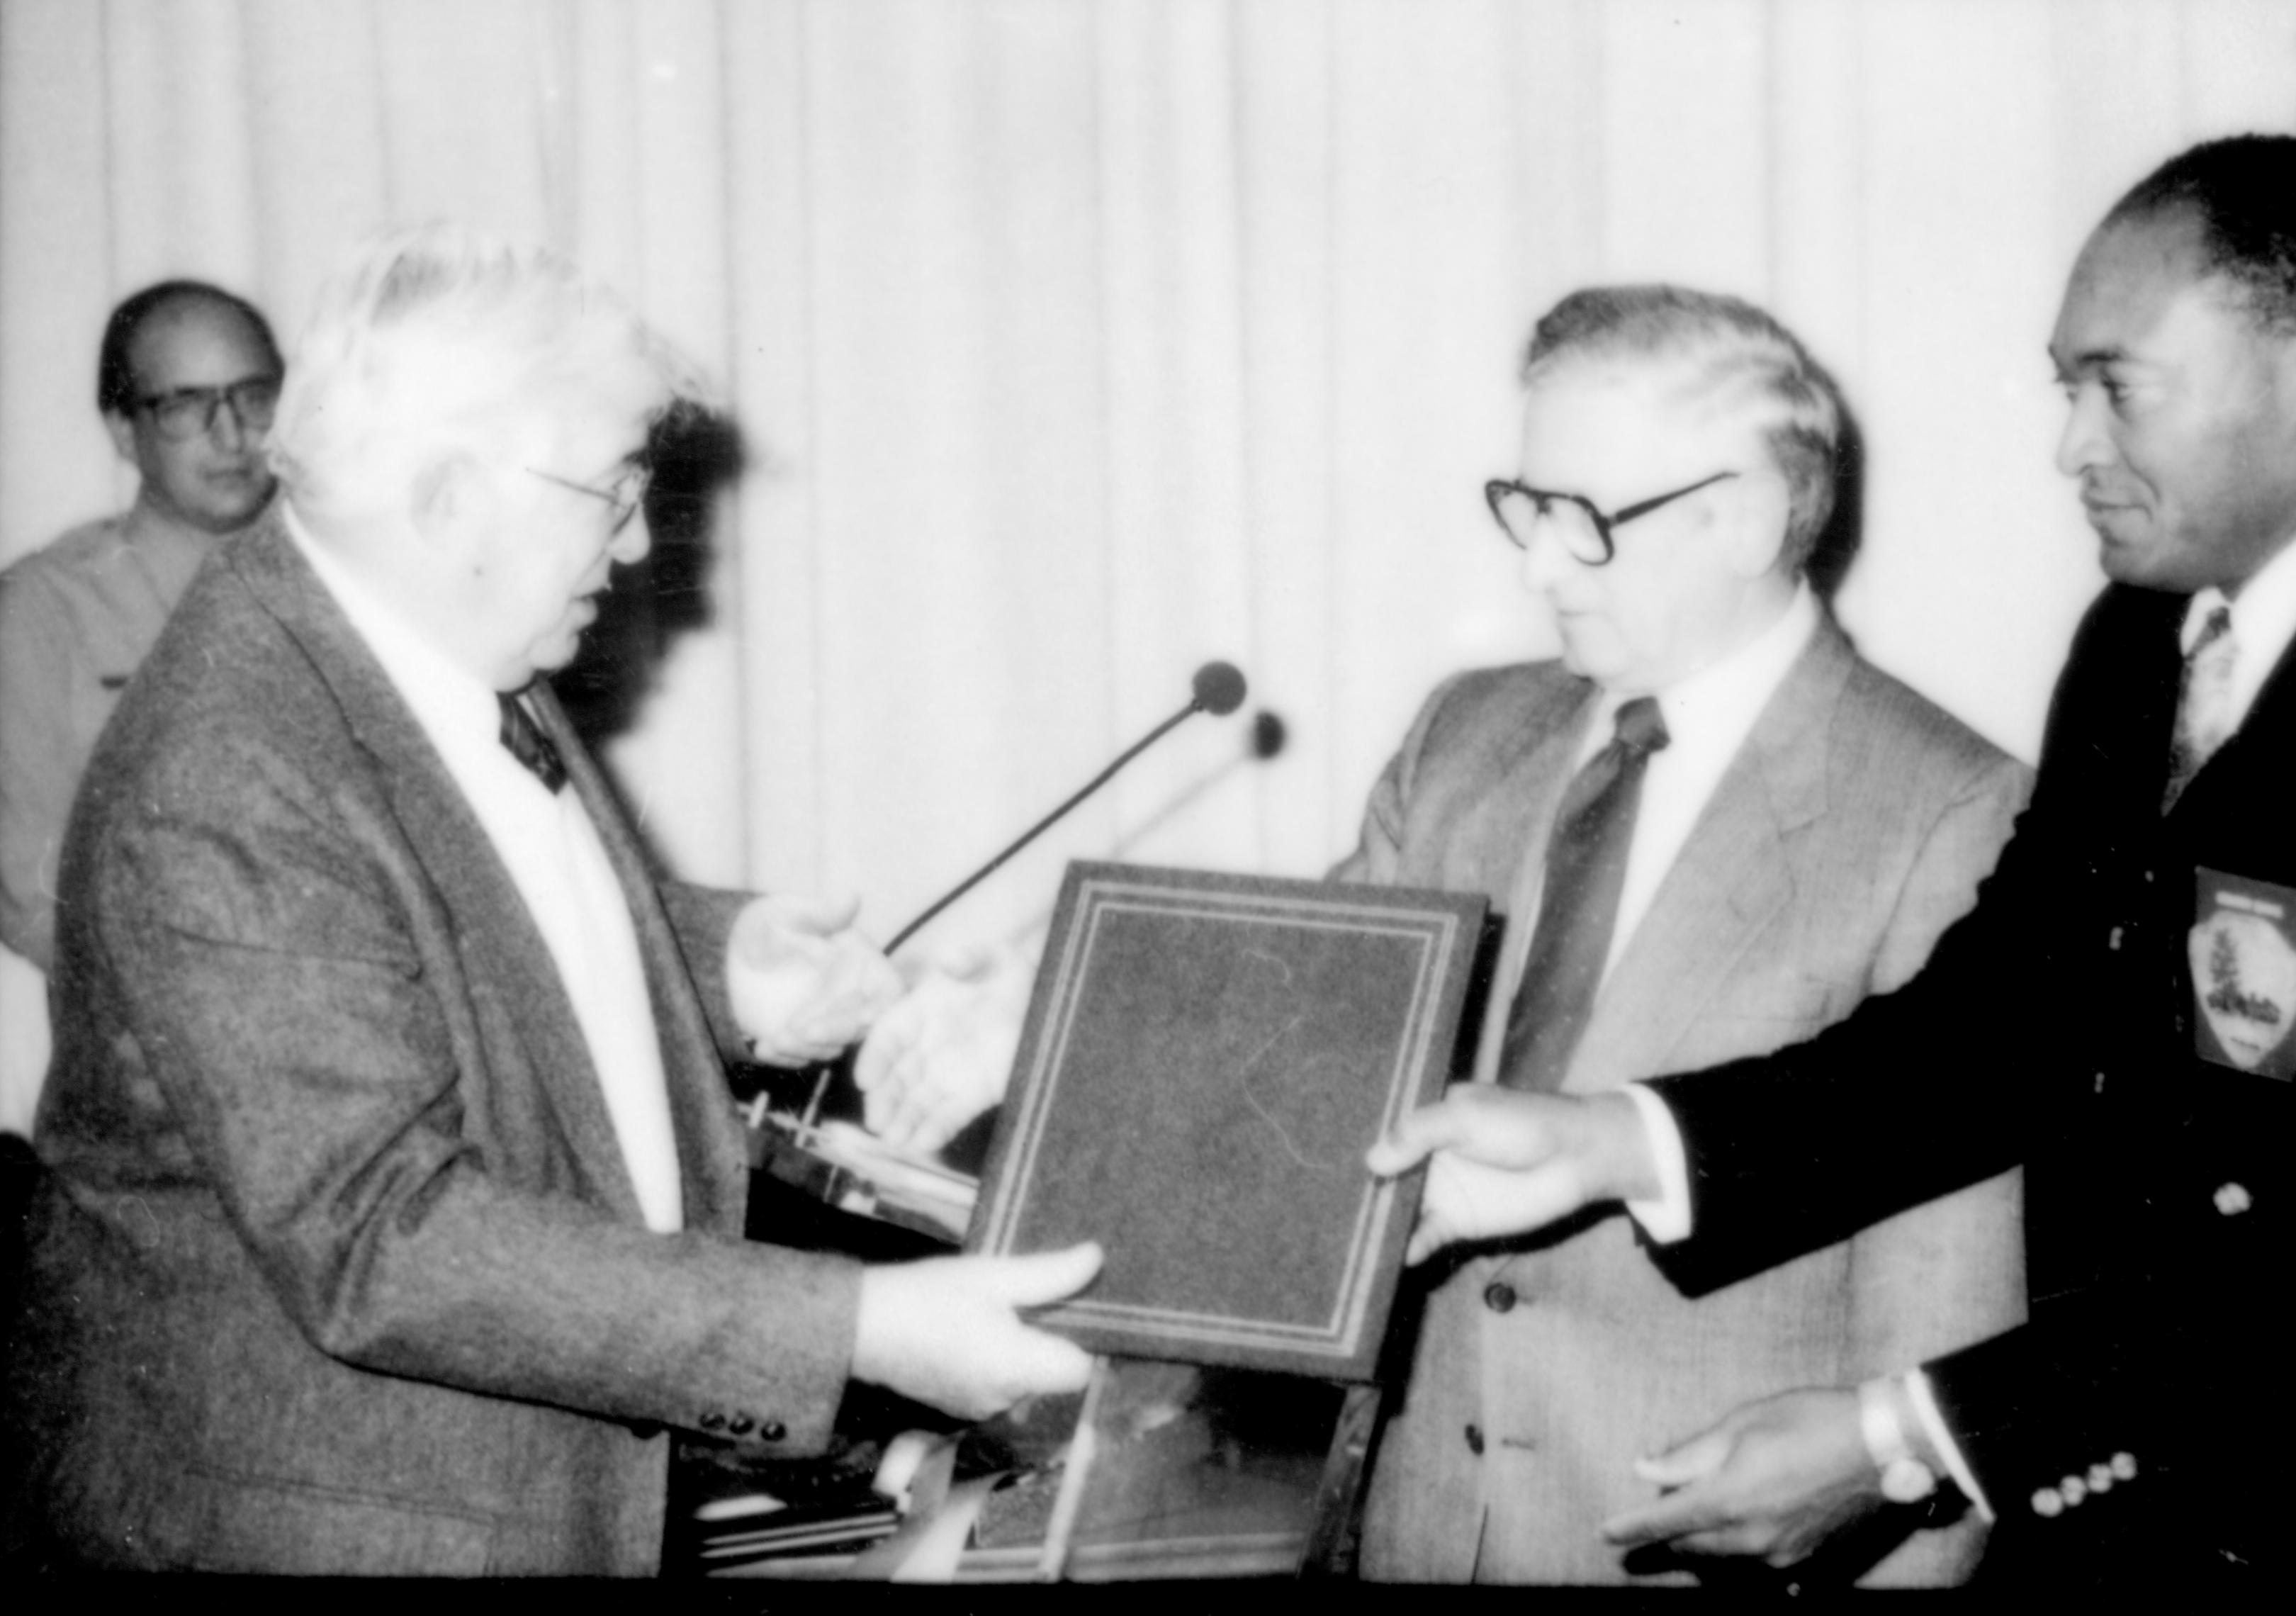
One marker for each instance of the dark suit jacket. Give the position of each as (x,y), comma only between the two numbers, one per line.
(1848,832)
(340,1270)
(2158,1184)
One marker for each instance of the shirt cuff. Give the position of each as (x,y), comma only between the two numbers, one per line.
(1933,1427)
(1667,1219)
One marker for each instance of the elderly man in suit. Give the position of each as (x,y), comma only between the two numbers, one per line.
(2111,1013)
(1714,830)
(394,1222)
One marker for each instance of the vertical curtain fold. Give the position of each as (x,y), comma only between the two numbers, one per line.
(1074,342)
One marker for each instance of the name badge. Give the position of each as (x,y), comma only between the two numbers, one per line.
(2243,951)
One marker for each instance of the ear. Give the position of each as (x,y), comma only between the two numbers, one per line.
(448,493)
(122,428)
(1758,510)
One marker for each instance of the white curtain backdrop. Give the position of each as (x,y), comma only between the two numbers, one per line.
(1077,342)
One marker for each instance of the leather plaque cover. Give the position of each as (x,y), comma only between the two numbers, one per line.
(1206,1059)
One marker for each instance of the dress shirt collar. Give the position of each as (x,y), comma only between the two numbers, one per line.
(2263,623)
(1717,705)
(454,706)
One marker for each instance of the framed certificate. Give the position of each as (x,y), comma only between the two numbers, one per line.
(1205,1060)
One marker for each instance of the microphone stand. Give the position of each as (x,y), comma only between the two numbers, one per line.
(1201,703)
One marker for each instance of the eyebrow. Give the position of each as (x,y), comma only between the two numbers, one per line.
(2089,359)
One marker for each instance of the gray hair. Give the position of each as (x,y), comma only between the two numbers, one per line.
(436,338)
(1728,346)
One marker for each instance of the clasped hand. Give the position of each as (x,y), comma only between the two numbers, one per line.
(803,983)
(1774,1481)
(943,1054)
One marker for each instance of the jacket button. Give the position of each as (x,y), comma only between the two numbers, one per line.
(2112,939)
(772,1431)
(2100,1478)
(1475,1439)
(1499,1297)
(713,1420)
(2124,1466)
(2047,1502)
(2073,1488)
(2233,1200)
(2099,1084)
(740,1425)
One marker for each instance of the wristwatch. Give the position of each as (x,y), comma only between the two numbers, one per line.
(1904,1479)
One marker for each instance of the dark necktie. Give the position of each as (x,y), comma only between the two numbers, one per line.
(1578,907)
(2204,703)
(526,743)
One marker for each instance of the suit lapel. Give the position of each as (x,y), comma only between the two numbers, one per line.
(713,1177)
(1498,847)
(502,950)
(1730,881)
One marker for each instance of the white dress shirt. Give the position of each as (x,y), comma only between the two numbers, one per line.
(1707,717)
(550,846)
(2263,623)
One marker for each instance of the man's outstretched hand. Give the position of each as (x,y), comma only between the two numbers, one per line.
(1504,1162)
(944,1053)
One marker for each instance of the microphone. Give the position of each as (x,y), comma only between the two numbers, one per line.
(1218,689)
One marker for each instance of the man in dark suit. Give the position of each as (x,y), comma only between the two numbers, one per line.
(2111,1011)
(396,1197)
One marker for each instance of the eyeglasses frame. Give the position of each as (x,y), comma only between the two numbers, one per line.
(625,505)
(1498,488)
(215,398)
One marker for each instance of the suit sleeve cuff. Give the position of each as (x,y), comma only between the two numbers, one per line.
(1940,1441)
(1667,1219)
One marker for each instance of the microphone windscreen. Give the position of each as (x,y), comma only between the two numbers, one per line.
(1219,688)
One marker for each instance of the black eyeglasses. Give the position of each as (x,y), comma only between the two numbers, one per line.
(624,494)
(188,411)
(1585,530)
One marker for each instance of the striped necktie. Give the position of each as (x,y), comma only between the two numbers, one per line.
(524,740)
(1579,905)
(2205,719)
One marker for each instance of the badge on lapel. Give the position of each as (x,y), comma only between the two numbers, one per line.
(2243,951)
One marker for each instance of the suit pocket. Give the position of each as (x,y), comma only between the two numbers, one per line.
(232,1523)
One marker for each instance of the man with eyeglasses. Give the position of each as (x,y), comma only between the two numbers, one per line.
(2114,1013)
(395,1205)
(186,380)
(1712,829)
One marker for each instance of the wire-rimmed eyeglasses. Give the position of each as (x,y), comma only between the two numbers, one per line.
(1584,529)
(186,412)
(625,494)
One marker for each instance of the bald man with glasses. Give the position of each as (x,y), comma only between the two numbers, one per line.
(186,380)
(1713,830)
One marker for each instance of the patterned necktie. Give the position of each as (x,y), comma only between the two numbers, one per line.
(524,740)
(1578,907)
(2204,720)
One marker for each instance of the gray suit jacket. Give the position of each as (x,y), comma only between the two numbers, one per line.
(1851,828)
(339,1269)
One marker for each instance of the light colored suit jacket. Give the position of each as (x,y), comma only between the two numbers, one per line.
(339,1269)
(1851,828)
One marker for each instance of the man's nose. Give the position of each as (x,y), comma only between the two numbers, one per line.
(1545,556)
(2086,442)
(225,427)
